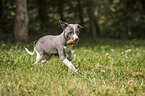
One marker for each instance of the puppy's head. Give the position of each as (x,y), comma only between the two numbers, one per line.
(71,30)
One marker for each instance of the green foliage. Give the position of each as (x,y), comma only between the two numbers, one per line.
(7,16)
(106,67)
(124,19)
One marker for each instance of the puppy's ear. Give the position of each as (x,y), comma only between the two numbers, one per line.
(79,26)
(63,24)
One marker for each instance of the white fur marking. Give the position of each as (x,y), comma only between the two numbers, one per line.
(69,64)
(39,57)
(43,61)
(75,36)
(74,29)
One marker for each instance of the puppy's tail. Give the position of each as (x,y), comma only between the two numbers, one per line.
(31,53)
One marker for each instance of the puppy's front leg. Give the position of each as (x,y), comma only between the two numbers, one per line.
(69,64)
(71,56)
(62,55)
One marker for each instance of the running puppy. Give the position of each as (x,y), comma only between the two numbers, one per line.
(59,45)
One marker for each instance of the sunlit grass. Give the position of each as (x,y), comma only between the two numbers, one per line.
(105,67)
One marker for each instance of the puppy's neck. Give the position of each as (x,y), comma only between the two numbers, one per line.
(62,39)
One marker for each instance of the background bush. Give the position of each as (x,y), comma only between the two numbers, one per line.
(121,19)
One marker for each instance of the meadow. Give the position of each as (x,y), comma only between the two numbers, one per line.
(105,67)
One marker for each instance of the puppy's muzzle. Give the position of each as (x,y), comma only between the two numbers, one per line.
(76,39)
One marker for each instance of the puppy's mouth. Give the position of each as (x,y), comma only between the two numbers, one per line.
(71,42)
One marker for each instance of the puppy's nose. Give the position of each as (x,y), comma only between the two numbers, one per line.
(76,39)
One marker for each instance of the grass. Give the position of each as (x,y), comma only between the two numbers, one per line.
(106,68)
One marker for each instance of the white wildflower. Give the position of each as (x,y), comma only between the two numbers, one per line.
(73,51)
(107,53)
(103,71)
(112,49)
(129,50)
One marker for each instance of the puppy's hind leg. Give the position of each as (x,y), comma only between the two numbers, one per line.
(43,61)
(39,57)
(45,58)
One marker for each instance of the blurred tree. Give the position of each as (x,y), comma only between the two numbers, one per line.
(143,4)
(7,16)
(92,20)
(80,11)
(43,14)
(0,8)
(60,9)
(124,19)
(21,22)
(0,15)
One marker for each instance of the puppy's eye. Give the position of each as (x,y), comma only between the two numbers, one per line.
(70,32)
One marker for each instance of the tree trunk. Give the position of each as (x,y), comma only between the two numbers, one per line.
(43,14)
(60,9)
(0,8)
(80,12)
(143,4)
(97,28)
(21,22)
(1,19)
(92,24)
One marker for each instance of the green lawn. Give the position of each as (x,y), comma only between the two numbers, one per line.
(106,67)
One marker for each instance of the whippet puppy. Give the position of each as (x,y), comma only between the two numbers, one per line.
(51,45)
